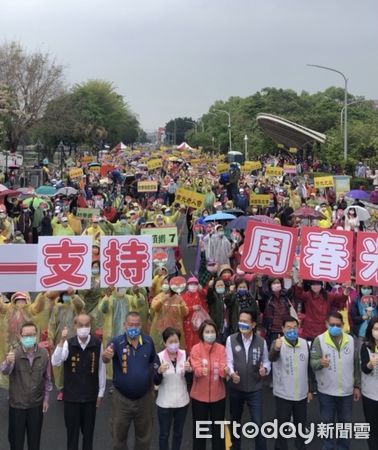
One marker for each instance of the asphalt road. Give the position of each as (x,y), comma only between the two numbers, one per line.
(53,433)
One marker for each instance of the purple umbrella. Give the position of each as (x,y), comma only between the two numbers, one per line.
(240,223)
(358,194)
(263,219)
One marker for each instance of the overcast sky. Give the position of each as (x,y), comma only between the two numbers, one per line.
(172,58)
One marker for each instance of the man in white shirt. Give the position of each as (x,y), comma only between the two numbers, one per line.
(248,364)
(84,381)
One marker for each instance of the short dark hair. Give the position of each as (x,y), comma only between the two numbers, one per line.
(170,331)
(370,341)
(28,324)
(289,319)
(336,315)
(251,312)
(132,314)
(203,325)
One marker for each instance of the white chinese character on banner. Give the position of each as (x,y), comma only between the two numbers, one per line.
(326,254)
(361,430)
(270,249)
(369,258)
(325,430)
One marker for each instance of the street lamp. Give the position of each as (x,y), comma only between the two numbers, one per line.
(245,148)
(229,126)
(61,149)
(345,104)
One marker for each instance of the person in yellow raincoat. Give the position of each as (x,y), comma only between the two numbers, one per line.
(168,309)
(94,230)
(159,275)
(61,227)
(327,213)
(66,309)
(42,318)
(93,296)
(75,223)
(114,306)
(171,218)
(138,302)
(12,315)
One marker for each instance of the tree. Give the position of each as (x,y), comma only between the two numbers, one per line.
(91,113)
(32,80)
(176,129)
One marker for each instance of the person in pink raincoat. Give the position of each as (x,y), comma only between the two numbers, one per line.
(195,299)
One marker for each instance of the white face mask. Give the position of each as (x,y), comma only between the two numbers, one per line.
(121,291)
(83,332)
(193,287)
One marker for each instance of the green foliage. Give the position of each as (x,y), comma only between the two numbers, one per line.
(319,111)
(176,129)
(90,113)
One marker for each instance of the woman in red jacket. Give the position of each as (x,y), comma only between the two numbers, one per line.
(318,303)
(208,393)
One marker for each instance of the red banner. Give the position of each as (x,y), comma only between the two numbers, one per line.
(326,255)
(367,259)
(268,249)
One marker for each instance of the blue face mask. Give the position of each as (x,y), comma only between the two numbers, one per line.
(220,290)
(291,335)
(133,332)
(66,298)
(242,291)
(334,330)
(28,341)
(365,291)
(244,328)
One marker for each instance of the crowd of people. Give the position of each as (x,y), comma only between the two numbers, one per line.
(223,333)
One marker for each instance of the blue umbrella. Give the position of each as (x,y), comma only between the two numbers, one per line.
(358,194)
(46,190)
(219,216)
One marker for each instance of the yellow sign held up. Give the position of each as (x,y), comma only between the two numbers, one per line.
(293,150)
(76,172)
(248,166)
(222,167)
(273,171)
(290,168)
(323,182)
(259,199)
(86,159)
(147,186)
(189,198)
(153,164)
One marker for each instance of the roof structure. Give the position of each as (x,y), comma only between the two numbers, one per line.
(288,133)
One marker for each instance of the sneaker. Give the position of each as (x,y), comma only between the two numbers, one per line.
(59,397)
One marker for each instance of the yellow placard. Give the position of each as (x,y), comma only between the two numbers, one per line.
(280,146)
(95,169)
(153,164)
(147,186)
(259,199)
(189,198)
(293,150)
(86,159)
(248,166)
(222,167)
(76,172)
(323,182)
(273,171)
(193,162)
(155,155)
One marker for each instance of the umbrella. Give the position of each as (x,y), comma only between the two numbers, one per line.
(362,213)
(66,191)
(26,190)
(358,194)
(94,164)
(5,191)
(219,216)
(46,190)
(235,211)
(240,223)
(308,213)
(263,219)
